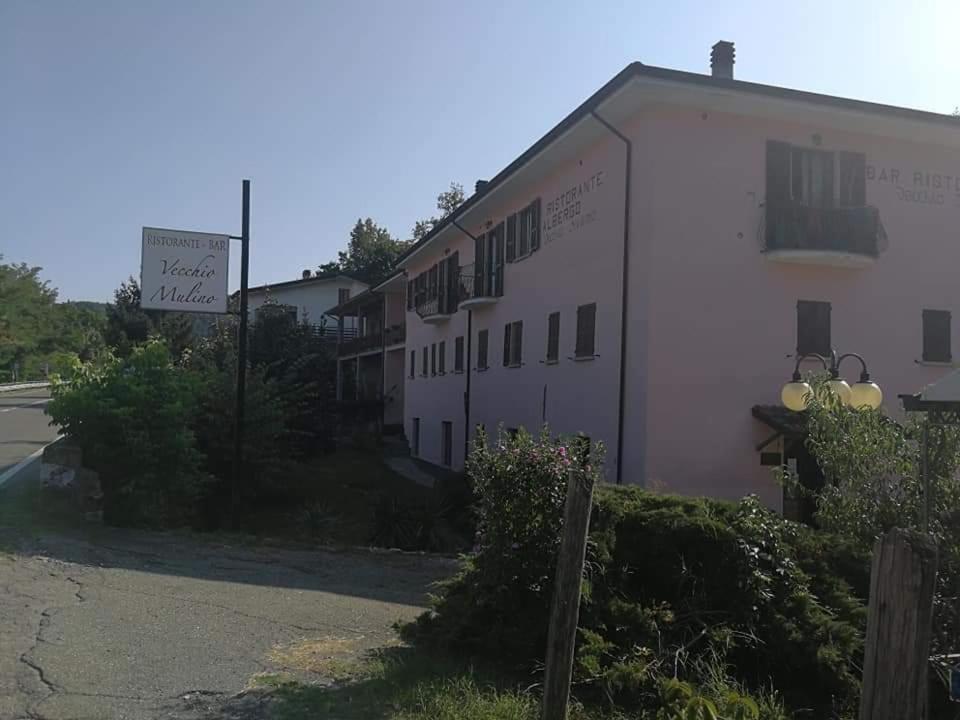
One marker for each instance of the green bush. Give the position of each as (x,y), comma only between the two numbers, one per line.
(133,420)
(670,581)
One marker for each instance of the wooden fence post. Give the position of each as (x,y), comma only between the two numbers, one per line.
(897,653)
(565,609)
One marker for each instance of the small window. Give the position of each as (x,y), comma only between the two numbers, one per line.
(482,341)
(586,331)
(513,344)
(446,442)
(343,294)
(553,337)
(458,354)
(936,336)
(433,358)
(423,362)
(813,328)
(413,364)
(416,436)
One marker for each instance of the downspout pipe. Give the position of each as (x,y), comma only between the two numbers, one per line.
(466,362)
(624,277)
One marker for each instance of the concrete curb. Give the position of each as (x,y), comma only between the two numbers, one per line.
(10,387)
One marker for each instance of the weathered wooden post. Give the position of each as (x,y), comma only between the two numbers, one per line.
(565,609)
(897,653)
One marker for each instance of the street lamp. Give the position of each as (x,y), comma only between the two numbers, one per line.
(864,394)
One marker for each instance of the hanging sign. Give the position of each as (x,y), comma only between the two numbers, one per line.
(184,271)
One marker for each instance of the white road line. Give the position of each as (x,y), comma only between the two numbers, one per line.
(19,407)
(21,465)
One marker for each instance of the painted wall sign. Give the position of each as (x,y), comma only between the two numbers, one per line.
(184,271)
(918,186)
(573,208)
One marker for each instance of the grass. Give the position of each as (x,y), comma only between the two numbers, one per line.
(401,683)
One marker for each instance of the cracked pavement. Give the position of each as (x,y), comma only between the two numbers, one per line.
(103,624)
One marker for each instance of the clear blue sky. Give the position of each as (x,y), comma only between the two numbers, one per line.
(115,115)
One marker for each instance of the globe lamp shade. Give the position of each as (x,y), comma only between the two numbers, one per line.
(840,389)
(865,395)
(794,395)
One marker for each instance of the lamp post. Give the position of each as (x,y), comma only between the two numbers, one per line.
(863,394)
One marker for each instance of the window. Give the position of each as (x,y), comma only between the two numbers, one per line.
(482,341)
(442,360)
(446,442)
(553,337)
(936,336)
(423,362)
(433,358)
(513,344)
(458,355)
(416,436)
(511,238)
(413,363)
(811,177)
(523,232)
(586,331)
(851,179)
(343,294)
(814,178)
(813,328)
(488,263)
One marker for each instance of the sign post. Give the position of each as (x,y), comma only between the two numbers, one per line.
(242,349)
(186,271)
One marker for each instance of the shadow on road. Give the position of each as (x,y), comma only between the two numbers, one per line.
(36,522)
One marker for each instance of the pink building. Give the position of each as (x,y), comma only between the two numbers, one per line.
(646,272)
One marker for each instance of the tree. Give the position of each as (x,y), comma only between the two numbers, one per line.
(129,325)
(370,255)
(447,201)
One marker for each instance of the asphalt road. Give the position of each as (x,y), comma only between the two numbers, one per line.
(24,428)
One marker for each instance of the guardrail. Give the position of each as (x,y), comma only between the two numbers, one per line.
(10,387)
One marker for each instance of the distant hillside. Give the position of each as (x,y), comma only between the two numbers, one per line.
(97,307)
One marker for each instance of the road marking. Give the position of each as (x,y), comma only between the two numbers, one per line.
(19,407)
(21,465)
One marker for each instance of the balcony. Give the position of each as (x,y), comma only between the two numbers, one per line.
(432,311)
(844,237)
(477,289)
(394,335)
(361,344)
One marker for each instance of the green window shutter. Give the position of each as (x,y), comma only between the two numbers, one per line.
(442,359)
(498,255)
(458,354)
(433,358)
(482,338)
(516,344)
(535,225)
(553,337)
(507,329)
(424,362)
(480,266)
(936,336)
(511,238)
(413,363)
(586,331)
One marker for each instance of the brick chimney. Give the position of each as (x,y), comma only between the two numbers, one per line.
(479,187)
(306,274)
(721,60)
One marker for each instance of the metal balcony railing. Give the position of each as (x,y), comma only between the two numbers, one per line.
(474,285)
(855,230)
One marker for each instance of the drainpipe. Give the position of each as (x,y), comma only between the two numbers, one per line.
(624,275)
(466,362)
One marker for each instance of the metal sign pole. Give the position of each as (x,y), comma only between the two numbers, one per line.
(241,351)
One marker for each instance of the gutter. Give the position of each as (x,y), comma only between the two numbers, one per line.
(624,276)
(466,362)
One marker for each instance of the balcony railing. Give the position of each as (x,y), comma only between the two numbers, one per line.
(362,343)
(846,230)
(394,335)
(477,287)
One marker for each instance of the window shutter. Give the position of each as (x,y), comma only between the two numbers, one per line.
(586,330)
(482,349)
(553,337)
(852,175)
(829,168)
(498,254)
(458,354)
(413,363)
(453,282)
(778,174)
(442,290)
(424,361)
(813,328)
(511,238)
(535,225)
(442,360)
(936,336)
(433,358)
(479,266)
(517,343)
(507,330)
